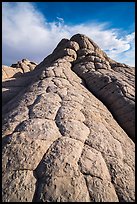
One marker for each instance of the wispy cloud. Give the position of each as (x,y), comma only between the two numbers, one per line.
(60,19)
(26,33)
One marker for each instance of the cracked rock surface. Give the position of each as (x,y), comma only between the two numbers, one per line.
(13,78)
(64,133)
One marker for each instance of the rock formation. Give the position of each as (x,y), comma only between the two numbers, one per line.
(13,80)
(22,66)
(68,135)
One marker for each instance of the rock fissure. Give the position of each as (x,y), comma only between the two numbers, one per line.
(62,143)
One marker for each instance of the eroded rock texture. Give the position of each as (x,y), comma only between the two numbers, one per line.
(17,69)
(13,79)
(60,142)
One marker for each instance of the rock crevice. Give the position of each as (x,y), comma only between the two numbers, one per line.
(60,142)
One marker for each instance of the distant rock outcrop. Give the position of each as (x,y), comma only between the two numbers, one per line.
(60,142)
(22,66)
(12,78)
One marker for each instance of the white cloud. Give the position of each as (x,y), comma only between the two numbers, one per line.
(27,34)
(60,19)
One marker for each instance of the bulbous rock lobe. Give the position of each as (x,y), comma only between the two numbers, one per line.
(60,143)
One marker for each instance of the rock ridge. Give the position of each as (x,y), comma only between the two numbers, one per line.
(60,143)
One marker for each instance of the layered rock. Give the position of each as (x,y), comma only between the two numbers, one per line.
(12,82)
(113,83)
(62,144)
(17,69)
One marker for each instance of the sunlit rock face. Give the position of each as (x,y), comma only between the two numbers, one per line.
(17,69)
(69,129)
(12,79)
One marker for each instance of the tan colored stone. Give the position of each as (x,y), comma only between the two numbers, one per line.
(60,142)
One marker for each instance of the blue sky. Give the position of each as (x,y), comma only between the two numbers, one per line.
(119,14)
(33,29)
